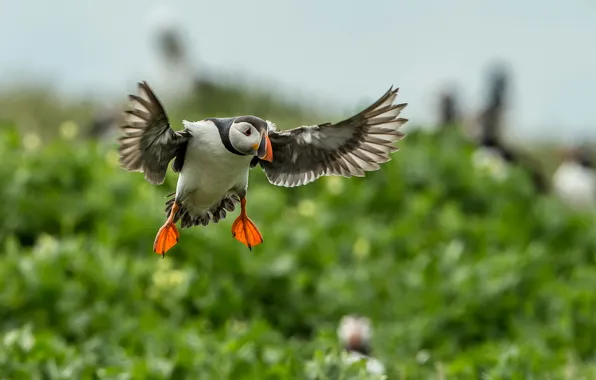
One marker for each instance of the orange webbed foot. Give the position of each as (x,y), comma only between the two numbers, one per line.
(166,238)
(245,231)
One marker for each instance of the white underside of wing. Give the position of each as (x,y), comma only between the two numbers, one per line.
(490,161)
(373,366)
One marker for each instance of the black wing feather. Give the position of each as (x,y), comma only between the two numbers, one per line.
(149,143)
(348,148)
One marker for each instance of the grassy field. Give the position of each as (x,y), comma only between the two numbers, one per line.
(463,276)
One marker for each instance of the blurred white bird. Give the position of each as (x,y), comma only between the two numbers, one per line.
(354,333)
(574,181)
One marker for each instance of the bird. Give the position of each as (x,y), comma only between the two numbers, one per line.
(574,180)
(354,333)
(496,158)
(448,109)
(213,157)
(492,152)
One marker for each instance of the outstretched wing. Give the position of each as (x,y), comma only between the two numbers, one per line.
(149,143)
(348,148)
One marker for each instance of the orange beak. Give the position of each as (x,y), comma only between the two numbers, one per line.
(265,151)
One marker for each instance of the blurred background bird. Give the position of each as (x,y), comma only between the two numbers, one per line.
(494,154)
(355,334)
(574,180)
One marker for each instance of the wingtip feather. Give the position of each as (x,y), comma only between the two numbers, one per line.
(377,127)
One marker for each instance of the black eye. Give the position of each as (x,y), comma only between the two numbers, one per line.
(248,132)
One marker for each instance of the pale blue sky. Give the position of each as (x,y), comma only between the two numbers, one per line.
(344,52)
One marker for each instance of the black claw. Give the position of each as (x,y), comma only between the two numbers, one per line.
(250,247)
(163,255)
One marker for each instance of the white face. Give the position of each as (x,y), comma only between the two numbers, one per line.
(245,138)
(354,328)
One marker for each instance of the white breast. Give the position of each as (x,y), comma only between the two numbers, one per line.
(209,170)
(575,185)
(489,160)
(373,366)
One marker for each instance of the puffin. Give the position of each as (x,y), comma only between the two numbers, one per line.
(574,180)
(495,157)
(448,109)
(492,153)
(213,157)
(354,333)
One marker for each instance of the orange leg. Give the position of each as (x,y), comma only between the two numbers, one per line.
(244,230)
(168,234)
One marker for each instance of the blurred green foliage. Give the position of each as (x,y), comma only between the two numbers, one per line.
(463,276)
(35,107)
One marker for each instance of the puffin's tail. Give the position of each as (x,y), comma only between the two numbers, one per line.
(228,204)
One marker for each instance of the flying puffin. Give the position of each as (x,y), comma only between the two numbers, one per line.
(574,181)
(214,155)
(354,333)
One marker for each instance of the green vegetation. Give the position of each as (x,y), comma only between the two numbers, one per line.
(463,276)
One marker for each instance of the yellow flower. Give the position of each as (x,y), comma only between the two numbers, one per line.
(361,247)
(31,141)
(335,185)
(307,208)
(69,130)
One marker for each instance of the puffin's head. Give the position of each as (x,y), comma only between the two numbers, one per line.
(249,135)
(355,333)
